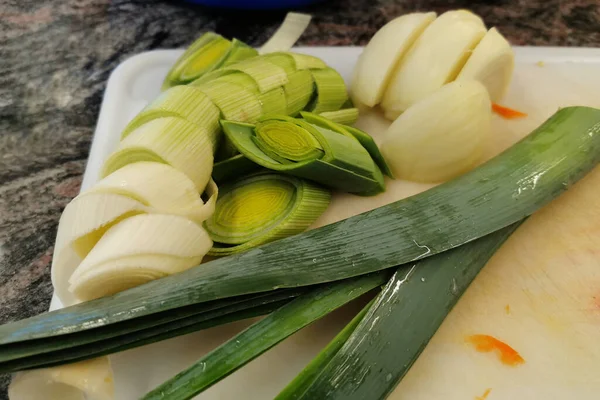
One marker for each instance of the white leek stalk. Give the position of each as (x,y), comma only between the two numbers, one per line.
(492,63)
(169,140)
(137,250)
(137,188)
(436,58)
(289,32)
(441,136)
(383,53)
(85,380)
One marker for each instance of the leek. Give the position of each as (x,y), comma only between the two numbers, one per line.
(331,91)
(169,140)
(398,326)
(263,335)
(515,184)
(184,102)
(262,208)
(205,54)
(289,32)
(296,147)
(346,116)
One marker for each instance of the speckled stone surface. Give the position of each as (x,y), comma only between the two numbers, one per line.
(55,58)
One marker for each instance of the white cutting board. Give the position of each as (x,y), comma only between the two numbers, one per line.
(540,294)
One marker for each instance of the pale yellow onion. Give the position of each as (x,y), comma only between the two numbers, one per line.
(492,63)
(134,189)
(137,250)
(85,380)
(441,136)
(381,56)
(435,58)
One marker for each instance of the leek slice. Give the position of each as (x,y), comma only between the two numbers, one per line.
(262,208)
(383,54)
(298,91)
(266,74)
(397,327)
(240,51)
(296,147)
(304,61)
(331,91)
(205,54)
(137,250)
(186,102)
(91,380)
(287,34)
(283,60)
(363,138)
(515,184)
(263,335)
(236,102)
(346,116)
(435,58)
(137,188)
(168,140)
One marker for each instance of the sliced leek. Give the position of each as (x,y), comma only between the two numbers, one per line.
(346,116)
(492,63)
(205,54)
(436,58)
(515,184)
(137,188)
(184,102)
(331,91)
(266,74)
(424,149)
(296,147)
(289,32)
(169,140)
(298,91)
(236,102)
(263,335)
(263,208)
(305,61)
(398,326)
(137,250)
(383,54)
(240,51)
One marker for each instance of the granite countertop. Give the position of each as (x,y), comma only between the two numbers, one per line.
(55,58)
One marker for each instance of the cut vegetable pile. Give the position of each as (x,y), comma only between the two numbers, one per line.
(240,155)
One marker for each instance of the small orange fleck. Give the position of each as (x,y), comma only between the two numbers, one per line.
(507,308)
(486,343)
(506,112)
(484,396)
(596,301)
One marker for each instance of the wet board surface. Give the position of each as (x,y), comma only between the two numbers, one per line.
(538,296)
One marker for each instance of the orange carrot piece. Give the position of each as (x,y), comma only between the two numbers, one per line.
(486,343)
(506,112)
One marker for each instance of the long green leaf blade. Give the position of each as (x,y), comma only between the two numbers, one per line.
(400,324)
(296,388)
(263,335)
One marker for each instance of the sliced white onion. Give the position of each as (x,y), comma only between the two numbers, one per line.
(492,63)
(381,56)
(441,136)
(137,250)
(436,58)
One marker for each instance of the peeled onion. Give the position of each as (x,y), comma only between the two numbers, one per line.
(435,59)
(492,63)
(380,57)
(441,136)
